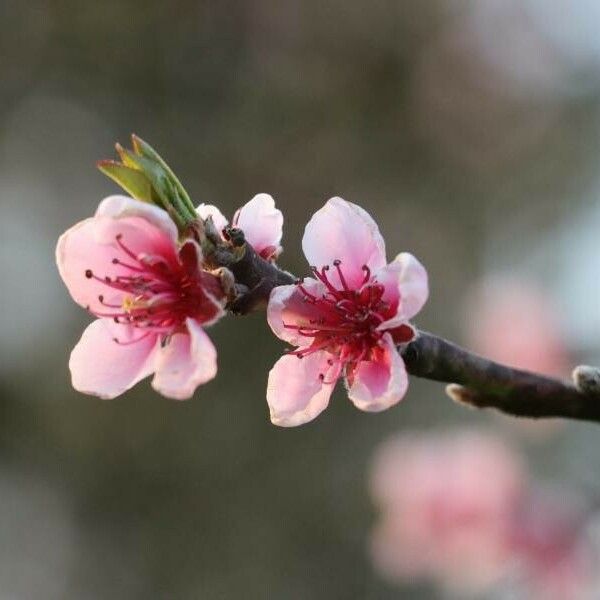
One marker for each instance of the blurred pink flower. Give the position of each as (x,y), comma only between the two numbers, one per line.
(347,320)
(260,221)
(447,502)
(509,320)
(554,559)
(126,267)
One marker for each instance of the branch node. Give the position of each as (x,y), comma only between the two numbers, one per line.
(587,380)
(462,395)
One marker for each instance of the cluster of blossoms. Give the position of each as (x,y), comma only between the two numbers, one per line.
(127,266)
(457,509)
(155,271)
(142,266)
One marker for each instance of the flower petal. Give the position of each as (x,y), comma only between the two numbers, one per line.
(288,307)
(208,210)
(188,360)
(377,385)
(344,231)
(105,368)
(405,282)
(120,207)
(85,252)
(261,222)
(296,393)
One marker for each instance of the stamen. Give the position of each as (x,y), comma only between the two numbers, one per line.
(154,295)
(116,261)
(336,263)
(123,247)
(322,277)
(307,295)
(324,382)
(134,341)
(367,271)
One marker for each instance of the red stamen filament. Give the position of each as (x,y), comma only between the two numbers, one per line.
(347,324)
(157,296)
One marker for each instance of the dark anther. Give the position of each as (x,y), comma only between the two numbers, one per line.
(116,319)
(115,261)
(88,273)
(119,236)
(337,262)
(321,377)
(101,298)
(116,340)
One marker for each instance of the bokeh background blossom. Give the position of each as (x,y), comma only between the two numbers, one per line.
(458,508)
(469,129)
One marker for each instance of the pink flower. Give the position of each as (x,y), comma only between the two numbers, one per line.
(447,505)
(511,321)
(126,267)
(260,221)
(555,560)
(347,320)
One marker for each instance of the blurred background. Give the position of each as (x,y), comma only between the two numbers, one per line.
(469,129)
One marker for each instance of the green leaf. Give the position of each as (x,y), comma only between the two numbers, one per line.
(142,148)
(131,180)
(124,157)
(147,177)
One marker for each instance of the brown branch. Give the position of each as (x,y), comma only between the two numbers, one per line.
(482,383)
(473,379)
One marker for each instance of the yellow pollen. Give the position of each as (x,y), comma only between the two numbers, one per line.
(130,303)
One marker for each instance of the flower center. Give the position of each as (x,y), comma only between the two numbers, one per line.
(157,295)
(348,319)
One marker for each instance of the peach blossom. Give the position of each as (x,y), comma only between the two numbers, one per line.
(346,321)
(554,559)
(509,320)
(446,502)
(126,266)
(260,221)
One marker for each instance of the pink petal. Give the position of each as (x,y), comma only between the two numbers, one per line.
(295,392)
(208,210)
(377,385)
(120,207)
(104,368)
(91,246)
(405,280)
(190,257)
(188,360)
(211,306)
(261,222)
(76,252)
(287,307)
(344,231)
